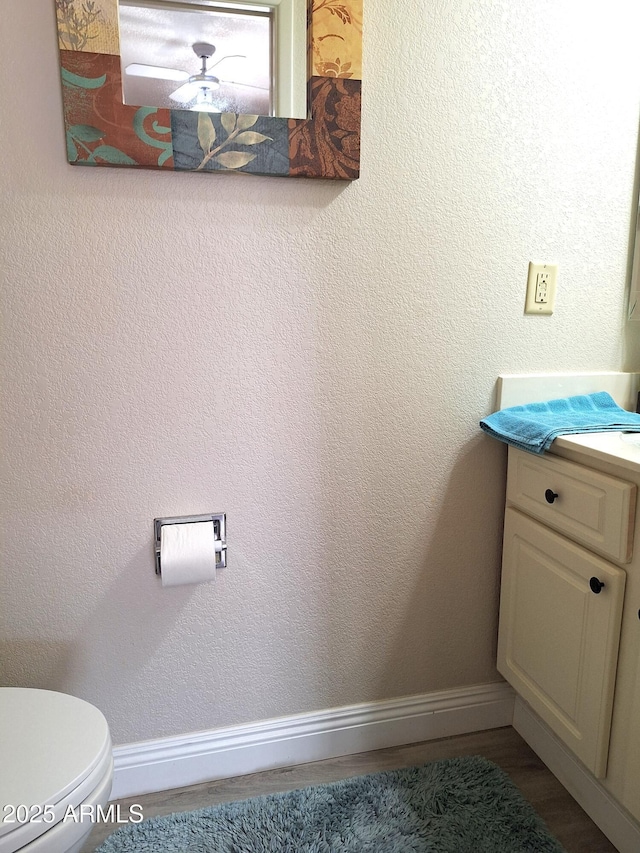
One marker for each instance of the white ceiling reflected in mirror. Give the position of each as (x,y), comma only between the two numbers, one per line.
(235,57)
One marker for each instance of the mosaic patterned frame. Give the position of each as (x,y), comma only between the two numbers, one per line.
(102,131)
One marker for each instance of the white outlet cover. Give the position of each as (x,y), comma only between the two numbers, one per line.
(541,308)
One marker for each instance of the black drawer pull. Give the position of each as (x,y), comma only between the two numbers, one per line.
(550,496)
(596,585)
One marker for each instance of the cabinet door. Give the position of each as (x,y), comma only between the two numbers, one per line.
(558,639)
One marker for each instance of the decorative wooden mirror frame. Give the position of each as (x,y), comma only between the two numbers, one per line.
(103,131)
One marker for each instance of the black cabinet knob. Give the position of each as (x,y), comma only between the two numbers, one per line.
(596,585)
(550,496)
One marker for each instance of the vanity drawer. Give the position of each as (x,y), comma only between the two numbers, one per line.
(591,508)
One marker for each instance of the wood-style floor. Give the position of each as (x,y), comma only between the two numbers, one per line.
(564,817)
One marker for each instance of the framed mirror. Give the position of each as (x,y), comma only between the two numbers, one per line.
(202,59)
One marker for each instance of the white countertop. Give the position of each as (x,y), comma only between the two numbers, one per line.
(618,448)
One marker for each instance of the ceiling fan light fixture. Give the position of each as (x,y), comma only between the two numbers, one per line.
(204,100)
(207,81)
(190,90)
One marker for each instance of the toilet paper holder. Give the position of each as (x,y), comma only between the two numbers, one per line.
(219,532)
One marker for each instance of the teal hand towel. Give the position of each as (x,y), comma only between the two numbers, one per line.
(534,426)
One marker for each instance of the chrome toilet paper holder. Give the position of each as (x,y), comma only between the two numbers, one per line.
(219,532)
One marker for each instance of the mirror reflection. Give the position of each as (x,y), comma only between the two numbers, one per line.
(236,57)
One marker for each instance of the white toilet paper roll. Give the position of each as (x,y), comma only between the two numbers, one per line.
(187,553)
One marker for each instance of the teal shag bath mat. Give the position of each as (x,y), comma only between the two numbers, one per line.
(460,805)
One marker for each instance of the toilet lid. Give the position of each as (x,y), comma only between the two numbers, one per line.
(49,744)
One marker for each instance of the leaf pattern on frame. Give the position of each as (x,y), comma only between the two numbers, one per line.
(235,127)
(336,38)
(328,146)
(75,23)
(80,137)
(334,69)
(227,142)
(88,25)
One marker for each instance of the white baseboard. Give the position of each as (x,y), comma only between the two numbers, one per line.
(174,762)
(613,820)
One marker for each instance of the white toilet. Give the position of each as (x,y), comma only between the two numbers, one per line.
(55,756)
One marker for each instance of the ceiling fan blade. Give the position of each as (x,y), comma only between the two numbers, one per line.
(185,93)
(228,56)
(246,85)
(136,69)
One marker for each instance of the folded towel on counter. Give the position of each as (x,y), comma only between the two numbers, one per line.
(534,426)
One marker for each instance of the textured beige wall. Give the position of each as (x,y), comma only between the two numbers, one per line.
(312,358)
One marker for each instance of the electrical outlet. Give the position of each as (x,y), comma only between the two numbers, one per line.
(541,288)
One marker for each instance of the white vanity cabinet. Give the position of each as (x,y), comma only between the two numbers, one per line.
(569,633)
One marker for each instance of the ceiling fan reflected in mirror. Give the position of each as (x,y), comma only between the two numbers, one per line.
(196,91)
